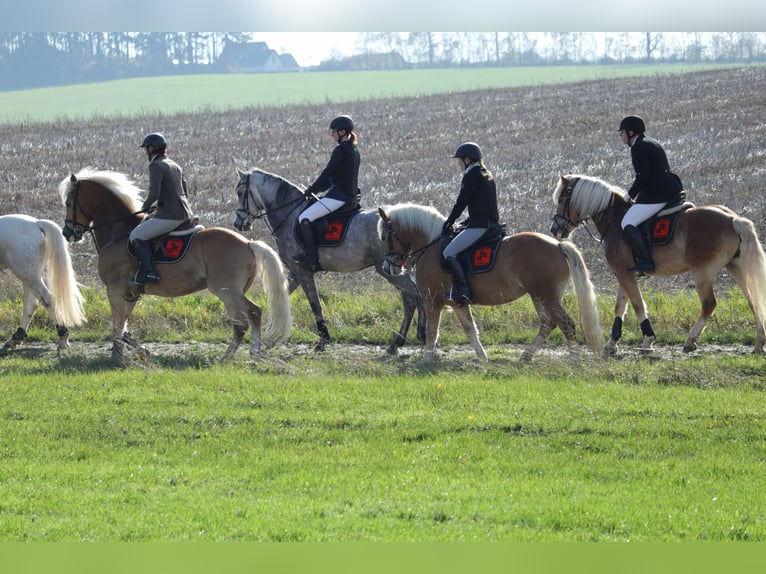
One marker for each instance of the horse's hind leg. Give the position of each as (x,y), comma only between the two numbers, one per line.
(704,287)
(242,313)
(547,323)
(31,300)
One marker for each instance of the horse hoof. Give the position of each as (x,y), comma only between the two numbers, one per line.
(688,348)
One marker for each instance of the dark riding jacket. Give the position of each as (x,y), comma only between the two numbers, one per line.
(654,182)
(479,195)
(341,175)
(167,187)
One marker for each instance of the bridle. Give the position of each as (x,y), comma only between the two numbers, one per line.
(394,259)
(72,227)
(75,230)
(561,220)
(247,214)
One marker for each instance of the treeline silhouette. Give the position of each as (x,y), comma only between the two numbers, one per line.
(36,59)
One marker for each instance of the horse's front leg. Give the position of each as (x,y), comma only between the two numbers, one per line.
(630,289)
(121,310)
(465,317)
(306,280)
(433,318)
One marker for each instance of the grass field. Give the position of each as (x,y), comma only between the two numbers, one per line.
(358,445)
(200,93)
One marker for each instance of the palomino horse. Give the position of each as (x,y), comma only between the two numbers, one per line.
(260,193)
(525,263)
(37,254)
(107,205)
(706,240)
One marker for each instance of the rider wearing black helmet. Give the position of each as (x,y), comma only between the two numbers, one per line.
(654,187)
(479,195)
(167,191)
(341,180)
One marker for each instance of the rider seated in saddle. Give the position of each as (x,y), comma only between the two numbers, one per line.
(655,187)
(478,194)
(340,177)
(167,192)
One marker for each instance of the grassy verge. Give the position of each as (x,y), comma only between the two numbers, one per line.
(384,450)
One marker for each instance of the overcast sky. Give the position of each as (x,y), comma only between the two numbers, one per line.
(386,15)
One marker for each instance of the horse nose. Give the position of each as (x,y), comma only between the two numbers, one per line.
(67,233)
(554,229)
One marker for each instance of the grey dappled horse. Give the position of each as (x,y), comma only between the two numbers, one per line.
(260,193)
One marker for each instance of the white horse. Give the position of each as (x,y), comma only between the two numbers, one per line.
(38,255)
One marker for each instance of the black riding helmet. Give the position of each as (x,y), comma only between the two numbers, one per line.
(470,150)
(156,139)
(342,123)
(633,124)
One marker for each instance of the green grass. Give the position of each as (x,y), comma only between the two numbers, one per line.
(348,447)
(465,453)
(198,93)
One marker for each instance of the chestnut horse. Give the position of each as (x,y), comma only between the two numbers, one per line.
(525,263)
(37,254)
(706,240)
(107,205)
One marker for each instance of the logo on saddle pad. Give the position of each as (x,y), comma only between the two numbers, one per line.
(330,230)
(480,257)
(172,247)
(660,229)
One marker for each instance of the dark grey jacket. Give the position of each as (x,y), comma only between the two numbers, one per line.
(168,189)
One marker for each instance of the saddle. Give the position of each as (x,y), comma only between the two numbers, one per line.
(172,247)
(479,257)
(330,230)
(659,229)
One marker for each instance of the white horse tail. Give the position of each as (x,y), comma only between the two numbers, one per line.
(271,273)
(66,298)
(753,267)
(586,297)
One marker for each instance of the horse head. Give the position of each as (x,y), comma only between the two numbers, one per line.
(262,193)
(247,208)
(564,221)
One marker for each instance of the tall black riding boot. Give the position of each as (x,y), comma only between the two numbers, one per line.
(308,256)
(460,294)
(146,274)
(642,251)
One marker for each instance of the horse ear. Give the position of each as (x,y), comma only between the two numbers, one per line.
(240,173)
(73,178)
(383,215)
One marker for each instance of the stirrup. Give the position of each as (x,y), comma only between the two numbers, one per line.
(143,277)
(460,296)
(306,259)
(641,267)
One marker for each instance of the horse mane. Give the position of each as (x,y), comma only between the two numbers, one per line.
(590,196)
(282,180)
(116,182)
(414,217)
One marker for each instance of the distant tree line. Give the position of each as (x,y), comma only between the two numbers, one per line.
(34,59)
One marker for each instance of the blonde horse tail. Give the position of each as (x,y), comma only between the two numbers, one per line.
(66,297)
(586,297)
(271,273)
(753,266)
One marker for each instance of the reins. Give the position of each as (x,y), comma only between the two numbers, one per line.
(264,212)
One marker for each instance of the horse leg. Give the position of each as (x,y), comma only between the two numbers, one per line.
(312,294)
(547,324)
(465,316)
(30,303)
(620,307)
(121,310)
(704,287)
(411,301)
(433,318)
